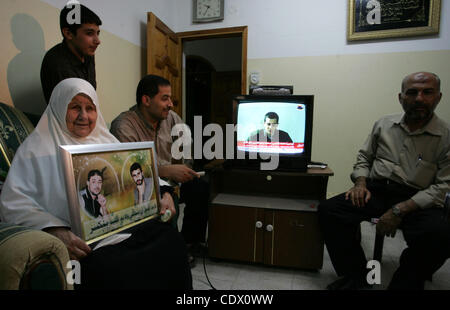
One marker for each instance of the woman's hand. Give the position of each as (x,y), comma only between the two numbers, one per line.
(77,248)
(167,204)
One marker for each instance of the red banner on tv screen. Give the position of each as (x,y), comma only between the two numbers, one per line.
(271,145)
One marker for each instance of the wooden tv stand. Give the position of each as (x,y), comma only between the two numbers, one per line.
(267,217)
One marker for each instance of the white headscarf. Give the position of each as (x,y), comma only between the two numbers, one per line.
(34,192)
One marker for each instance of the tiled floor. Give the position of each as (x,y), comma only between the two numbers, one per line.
(227,275)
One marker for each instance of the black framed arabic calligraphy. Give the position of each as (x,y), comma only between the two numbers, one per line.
(377,19)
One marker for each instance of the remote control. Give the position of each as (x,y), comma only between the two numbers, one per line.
(317,166)
(201,173)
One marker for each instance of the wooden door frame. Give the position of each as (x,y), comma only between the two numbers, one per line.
(220,33)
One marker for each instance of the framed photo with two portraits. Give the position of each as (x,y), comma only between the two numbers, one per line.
(110,187)
(378,19)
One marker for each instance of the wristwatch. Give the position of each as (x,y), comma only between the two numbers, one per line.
(396,210)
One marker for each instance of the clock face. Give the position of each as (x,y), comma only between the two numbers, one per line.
(208,10)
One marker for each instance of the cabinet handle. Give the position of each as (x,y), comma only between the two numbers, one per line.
(269,227)
(259,224)
(296,223)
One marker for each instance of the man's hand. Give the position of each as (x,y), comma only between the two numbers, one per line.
(141,192)
(178,173)
(77,248)
(388,224)
(359,194)
(141,188)
(102,201)
(167,204)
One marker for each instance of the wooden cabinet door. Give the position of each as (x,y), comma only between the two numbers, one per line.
(297,241)
(268,242)
(164,56)
(232,233)
(273,237)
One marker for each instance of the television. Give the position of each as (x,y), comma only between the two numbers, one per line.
(273,132)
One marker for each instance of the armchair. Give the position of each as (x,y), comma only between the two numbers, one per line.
(29,258)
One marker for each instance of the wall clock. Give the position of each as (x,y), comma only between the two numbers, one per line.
(208,11)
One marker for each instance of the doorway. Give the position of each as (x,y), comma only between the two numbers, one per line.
(213,76)
(166,56)
(198,84)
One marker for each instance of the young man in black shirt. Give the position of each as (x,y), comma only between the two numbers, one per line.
(74,56)
(270,132)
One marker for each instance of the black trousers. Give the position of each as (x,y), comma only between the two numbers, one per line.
(426,232)
(153,258)
(195,194)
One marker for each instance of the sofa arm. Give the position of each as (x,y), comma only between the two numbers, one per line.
(31,259)
(447,206)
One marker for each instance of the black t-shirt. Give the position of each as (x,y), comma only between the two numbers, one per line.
(60,63)
(91,204)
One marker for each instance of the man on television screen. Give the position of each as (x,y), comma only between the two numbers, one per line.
(270,132)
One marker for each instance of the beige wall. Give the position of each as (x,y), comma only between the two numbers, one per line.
(351,92)
(29,28)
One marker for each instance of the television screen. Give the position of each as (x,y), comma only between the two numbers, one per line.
(279,125)
(271,127)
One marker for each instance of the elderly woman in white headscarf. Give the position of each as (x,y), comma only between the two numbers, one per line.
(34,195)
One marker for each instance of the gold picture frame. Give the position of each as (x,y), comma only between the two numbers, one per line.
(99,210)
(371,20)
